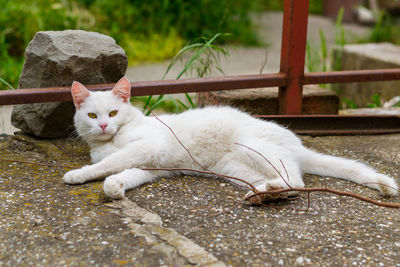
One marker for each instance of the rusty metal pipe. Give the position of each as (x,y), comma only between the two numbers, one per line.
(55,94)
(338,124)
(347,76)
(60,94)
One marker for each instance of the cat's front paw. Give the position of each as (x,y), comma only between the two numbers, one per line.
(114,188)
(75,177)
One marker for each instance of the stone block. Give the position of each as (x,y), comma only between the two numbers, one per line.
(264,101)
(57,58)
(369,56)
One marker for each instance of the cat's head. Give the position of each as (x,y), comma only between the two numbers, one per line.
(99,115)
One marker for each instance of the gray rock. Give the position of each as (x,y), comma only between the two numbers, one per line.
(57,58)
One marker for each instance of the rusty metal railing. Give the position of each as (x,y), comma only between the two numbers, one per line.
(56,94)
(290,79)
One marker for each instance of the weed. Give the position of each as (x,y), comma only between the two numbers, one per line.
(376,101)
(348,104)
(317,60)
(385,30)
(320,60)
(340,40)
(204,59)
(6,83)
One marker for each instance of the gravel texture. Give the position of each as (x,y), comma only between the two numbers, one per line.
(197,221)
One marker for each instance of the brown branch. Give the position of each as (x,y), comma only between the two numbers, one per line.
(283,165)
(308,200)
(328,190)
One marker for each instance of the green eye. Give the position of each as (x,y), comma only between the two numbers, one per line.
(92,115)
(113,113)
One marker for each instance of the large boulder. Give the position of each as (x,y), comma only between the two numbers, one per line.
(57,58)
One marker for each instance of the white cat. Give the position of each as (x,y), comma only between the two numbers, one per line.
(122,141)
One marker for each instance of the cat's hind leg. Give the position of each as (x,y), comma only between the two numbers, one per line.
(116,185)
(289,177)
(256,171)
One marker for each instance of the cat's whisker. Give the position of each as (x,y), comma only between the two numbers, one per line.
(73,138)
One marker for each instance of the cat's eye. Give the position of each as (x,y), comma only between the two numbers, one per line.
(113,113)
(92,115)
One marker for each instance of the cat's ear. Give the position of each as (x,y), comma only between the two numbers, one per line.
(123,89)
(79,93)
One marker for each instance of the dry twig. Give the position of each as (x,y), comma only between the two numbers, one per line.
(329,190)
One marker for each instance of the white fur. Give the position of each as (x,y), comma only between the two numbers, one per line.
(133,141)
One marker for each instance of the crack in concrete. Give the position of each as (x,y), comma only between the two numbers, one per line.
(167,241)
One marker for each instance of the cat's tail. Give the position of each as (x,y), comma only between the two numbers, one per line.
(351,170)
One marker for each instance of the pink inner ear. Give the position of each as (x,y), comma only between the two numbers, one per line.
(79,93)
(122,89)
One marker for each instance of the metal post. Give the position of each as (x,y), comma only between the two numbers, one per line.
(293,49)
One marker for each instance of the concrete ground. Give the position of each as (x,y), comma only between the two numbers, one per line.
(186,221)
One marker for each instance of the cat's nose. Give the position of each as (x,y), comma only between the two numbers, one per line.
(103,126)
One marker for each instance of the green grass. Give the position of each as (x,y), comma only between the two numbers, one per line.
(321,59)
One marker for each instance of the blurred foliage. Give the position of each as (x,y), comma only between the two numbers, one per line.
(147,30)
(315,6)
(376,101)
(386,29)
(189,18)
(320,59)
(20,20)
